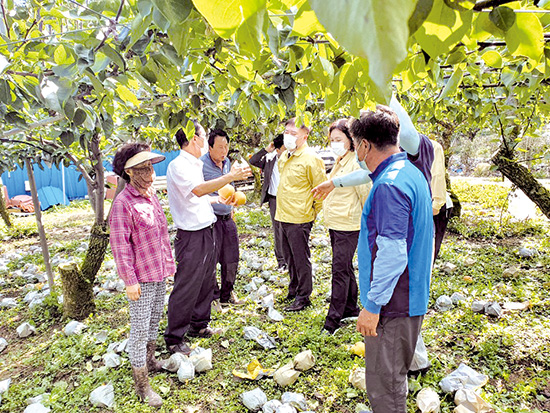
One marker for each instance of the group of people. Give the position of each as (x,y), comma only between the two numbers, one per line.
(378,200)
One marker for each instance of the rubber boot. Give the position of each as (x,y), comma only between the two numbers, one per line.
(153,365)
(143,388)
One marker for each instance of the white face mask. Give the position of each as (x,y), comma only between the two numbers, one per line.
(338,148)
(289,141)
(362,163)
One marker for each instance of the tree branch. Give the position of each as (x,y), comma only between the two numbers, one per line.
(5,18)
(484,4)
(5,140)
(112,28)
(34,125)
(501,126)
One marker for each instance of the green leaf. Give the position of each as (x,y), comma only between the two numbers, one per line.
(525,37)
(306,22)
(61,57)
(127,95)
(98,86)
(248,35)
(69,108)
(114,56)
(273,39)
(139,25)
(144,7)
(68,71)
(421,12)
(189,129)
(79,117)
(175,11)
(55,92)
(374,29)
(452,84)
(508,76)
(443,28)
(460,5)
(67,138)
(492,58)
(179,38)
(15,119)
(160,21)
(225,16)
(456,56)
(503,17)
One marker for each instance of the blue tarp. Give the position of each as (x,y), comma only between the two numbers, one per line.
(50,196)
(53,177)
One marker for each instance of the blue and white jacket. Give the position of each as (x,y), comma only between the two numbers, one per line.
(396,240)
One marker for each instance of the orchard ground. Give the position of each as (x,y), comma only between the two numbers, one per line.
(512,350)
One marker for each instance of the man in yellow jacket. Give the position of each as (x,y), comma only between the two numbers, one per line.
(300,170)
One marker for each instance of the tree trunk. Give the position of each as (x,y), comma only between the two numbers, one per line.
(78,293)
(4,211)
(520,176)
(78,283)
(99,241)
(38,215)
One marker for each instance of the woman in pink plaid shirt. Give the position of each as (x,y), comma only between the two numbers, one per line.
(143,255)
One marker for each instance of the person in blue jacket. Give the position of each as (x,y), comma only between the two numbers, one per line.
(395,257)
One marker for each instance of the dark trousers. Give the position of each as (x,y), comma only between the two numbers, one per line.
(297,255)
(227,254)
(343,299)
(277,230)
(190,301)
(440,225)
(388,357)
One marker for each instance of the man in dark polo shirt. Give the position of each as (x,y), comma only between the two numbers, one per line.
(215,165)
(266,159)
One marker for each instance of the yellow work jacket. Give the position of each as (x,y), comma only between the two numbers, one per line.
(343,206)
(299,174)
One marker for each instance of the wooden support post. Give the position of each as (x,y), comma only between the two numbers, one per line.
(38,215)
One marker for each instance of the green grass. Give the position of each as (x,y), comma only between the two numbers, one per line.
(514,350)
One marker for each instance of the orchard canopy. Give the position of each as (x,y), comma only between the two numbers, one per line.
(113,70)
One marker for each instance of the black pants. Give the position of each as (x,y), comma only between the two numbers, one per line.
(343,300)
(440,225)
(297,255)
(190,301)
(227,254)
(388,357)
(277,231)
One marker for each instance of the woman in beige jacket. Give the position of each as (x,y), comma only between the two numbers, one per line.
(342,214)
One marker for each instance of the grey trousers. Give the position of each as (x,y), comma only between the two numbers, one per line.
(388,357)
(145,314)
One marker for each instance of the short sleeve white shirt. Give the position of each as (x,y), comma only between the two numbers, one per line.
(189,212)
(275,176)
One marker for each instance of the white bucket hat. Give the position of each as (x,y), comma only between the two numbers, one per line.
(143,156)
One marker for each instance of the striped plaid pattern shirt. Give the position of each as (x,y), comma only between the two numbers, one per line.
(139,238)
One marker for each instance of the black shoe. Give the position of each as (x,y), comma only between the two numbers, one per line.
(298,305)
(206,332)
(290,297)
(352,314)
(416,373)
(328,331)
(182,348)
(233,300)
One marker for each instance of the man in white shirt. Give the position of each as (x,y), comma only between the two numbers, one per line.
(190,301)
